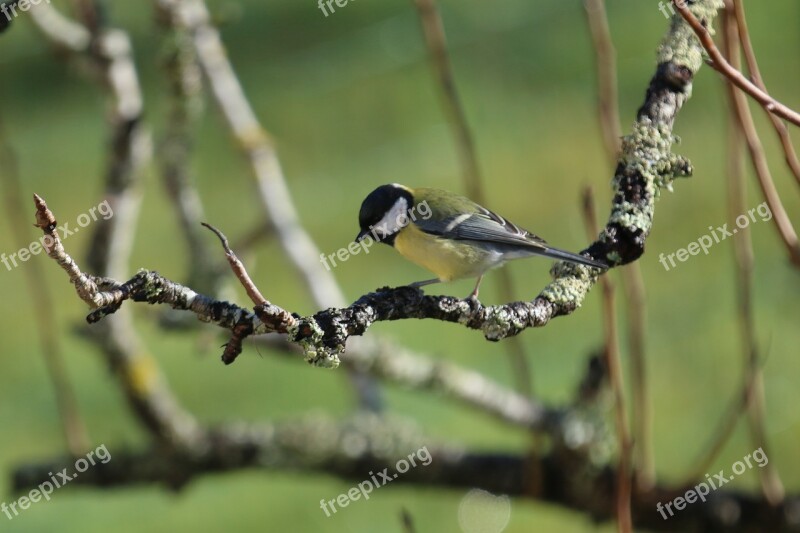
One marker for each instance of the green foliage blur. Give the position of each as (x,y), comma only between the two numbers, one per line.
(352,104)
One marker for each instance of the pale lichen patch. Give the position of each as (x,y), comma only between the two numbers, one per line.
(646,152)
(566,292)
(681,46)
(499,322)
(314,352)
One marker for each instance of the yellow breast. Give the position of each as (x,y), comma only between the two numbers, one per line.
(446,258)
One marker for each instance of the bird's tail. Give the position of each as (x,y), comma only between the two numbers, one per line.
(555,253)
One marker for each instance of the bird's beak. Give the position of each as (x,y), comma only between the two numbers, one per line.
(361,234)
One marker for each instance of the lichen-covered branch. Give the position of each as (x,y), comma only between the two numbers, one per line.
(646,165)
(376,357)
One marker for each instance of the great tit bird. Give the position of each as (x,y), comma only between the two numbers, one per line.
(448,234)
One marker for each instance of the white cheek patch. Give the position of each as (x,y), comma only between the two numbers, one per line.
(394,220)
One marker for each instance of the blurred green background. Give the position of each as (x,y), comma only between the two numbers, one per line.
(352,104)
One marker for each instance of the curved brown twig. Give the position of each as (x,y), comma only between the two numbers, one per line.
(721,65)
(752,65)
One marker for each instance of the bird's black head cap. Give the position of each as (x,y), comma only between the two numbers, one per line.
(375,208)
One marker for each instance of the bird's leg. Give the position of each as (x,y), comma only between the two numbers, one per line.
(418,284)
(474,294)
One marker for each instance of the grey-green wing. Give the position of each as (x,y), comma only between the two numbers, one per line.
(463,219)
(482,225)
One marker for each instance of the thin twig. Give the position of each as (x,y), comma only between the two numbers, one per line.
(723,433)
(755,73)
(238,268)
(433,30)
(279,319)
(614,366)
(632,280)
(407,521)
(72,424)
(185,89)
(636,312)
(771,484)
(751,373)
(719,64)
(606,62)
(781,220)
(436,41)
